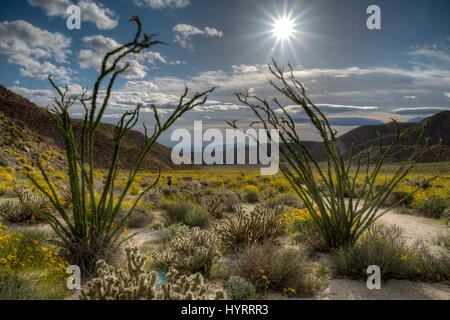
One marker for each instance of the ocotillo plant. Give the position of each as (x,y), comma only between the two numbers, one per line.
(95,226)
(341,220)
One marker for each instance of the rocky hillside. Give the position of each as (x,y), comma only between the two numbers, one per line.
(25,114)
(437,130)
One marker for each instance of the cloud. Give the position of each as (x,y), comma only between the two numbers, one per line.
(163,4)
(99,45)
(33,49)
(447,94)
(410,97)
(184,32)
(431,54)
(101,16)
(245,68)
(420,110)
(362,96)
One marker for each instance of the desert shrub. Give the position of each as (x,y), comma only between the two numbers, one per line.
(16,287)
(383,246)
(194,252)
(198,217)
(239,288)
(3,162)
(140,219)
(180,211)
(442,240)
(135,283)
(270,267)
(421,182)
(172,231)
(433,206)
(175,211)
(28,210)
(219,270)
(405,198)
(229,199)
(301,226)
(251,194)
(267,194)
(153,196)
(257,226)
(285,200)
(30,267)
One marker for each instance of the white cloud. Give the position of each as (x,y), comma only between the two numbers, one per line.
(184,32)
(101,16)
(245,68)
(410,97)
(420,110)
(99,45)
(447,94)
(163,4)
(431,53)
(32,48)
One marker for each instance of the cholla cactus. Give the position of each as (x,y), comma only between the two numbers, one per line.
(191,253)
(29,210)
(183,287)
(257,226)
(192,190)
(131,284)
(135,283)
(267,194)
(215,206)
(65,194)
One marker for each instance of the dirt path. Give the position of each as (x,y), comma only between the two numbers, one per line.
(414,228)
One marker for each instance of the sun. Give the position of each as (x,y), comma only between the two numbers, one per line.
(284,28)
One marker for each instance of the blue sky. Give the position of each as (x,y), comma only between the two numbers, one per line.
(358,76)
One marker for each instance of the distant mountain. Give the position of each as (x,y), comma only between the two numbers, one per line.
(437,131)
(364,137)
(34,119)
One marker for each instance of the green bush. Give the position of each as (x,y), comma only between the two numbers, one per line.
(229,199)
(442,240)
(180,211)
(270,267)
(140,219)
(433,207)
(406,196)
(383,246)
(239,288)
(251,196)
(285,200)
(198,217)
(175,211)
(16,287)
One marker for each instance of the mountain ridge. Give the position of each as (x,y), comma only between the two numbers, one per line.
(34,118)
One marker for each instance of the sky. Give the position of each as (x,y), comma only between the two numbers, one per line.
(357,76)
